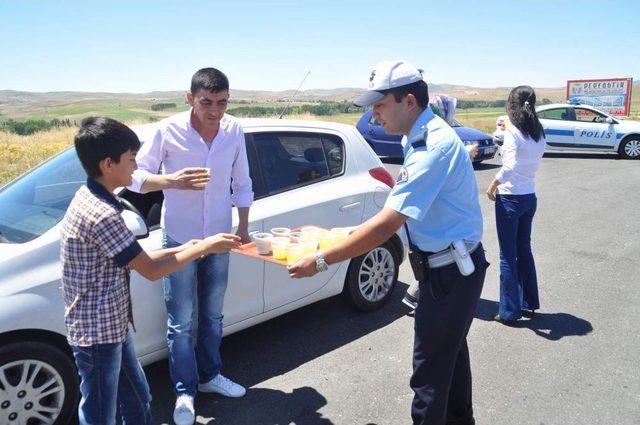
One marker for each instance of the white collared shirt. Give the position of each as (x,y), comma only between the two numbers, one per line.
(521,158)
(196,214)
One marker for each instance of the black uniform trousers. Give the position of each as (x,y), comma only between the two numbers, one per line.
(441,377)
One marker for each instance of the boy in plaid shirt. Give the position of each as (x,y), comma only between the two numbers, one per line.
(97,253)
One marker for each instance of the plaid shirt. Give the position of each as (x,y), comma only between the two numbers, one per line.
(96,247)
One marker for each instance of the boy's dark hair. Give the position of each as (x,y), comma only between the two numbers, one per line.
(419,90)
(521,107)
(100,138)
(209,79)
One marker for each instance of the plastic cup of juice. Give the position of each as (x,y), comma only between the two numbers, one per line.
(205,174)
(305,229)
(295,251)
(263,242)
(310,232)
(279,247)
(310,245)
(326,240)
(280,231)
(339,234)
(295,236)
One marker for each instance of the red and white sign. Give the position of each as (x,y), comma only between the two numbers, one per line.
(611,95)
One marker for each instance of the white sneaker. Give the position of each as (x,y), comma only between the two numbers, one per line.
(221,385)
(184,413)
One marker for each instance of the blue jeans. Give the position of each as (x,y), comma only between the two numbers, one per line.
(112,383)
(209,277)
(518,280)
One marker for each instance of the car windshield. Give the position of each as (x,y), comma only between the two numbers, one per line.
(38,200)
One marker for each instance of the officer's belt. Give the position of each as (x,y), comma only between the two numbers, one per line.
(445,257)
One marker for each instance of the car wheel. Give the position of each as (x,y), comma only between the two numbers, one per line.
(372,277)
(630,148)
(38,383)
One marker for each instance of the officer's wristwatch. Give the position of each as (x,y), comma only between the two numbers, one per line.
(321,264)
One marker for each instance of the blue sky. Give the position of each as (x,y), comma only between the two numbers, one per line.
(140,46)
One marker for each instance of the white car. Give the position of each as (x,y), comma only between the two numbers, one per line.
(303,172)
(584,128)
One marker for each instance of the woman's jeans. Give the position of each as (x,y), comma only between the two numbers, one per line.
(208,276)
(518,281)
(112,384)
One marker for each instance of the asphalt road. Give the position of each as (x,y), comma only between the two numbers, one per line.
(575,362)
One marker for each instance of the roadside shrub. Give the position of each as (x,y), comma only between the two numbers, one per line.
(162,106)
(321,109)
(467,104)
(24,128)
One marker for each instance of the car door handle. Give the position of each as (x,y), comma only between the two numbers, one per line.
(347,207)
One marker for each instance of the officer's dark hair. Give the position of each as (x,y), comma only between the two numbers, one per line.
(209,79)
(100,138)
(419,90)
(521,107)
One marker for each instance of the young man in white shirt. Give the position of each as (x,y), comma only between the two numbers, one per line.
(198,159)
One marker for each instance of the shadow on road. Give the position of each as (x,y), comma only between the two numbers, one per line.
(581,155)
(551,326)
(298,407)
(274,348)
(480,166)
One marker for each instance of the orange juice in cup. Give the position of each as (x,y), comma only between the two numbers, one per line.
(311,233)
(325,238)
(339,234)
(295,251)
(295,235)
(310,245)
(279,247)
(305,229)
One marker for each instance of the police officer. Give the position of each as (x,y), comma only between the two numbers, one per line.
(436,197)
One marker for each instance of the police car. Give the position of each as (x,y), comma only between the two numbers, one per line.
(585,128)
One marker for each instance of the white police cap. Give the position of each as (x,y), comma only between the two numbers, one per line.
(388,75)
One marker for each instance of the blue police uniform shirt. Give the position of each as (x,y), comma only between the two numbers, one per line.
(436,187)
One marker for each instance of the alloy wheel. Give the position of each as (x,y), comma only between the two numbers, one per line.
(376,274)
(632,148)
(31,392)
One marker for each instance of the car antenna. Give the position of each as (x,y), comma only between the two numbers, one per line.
(294,95)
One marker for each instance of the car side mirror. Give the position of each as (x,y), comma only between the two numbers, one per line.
(135,223)
(610,120)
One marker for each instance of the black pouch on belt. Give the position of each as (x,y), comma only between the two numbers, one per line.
(419,265)
(419,262)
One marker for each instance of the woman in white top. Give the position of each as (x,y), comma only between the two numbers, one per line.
(513,190)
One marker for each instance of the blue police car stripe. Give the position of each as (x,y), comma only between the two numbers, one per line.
(578,145)
(558,132)
(418,144)
(555,132)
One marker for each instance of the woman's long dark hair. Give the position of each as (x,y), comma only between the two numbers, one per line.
(521,107)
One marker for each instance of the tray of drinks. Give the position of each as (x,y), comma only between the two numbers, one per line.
(285,246)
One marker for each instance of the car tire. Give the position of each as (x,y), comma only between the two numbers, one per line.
(630,148)
(51,383)
(372,277)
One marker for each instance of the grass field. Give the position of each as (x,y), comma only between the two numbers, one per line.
(20,153)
